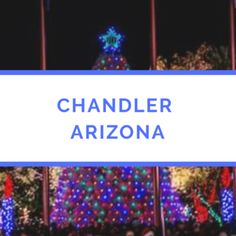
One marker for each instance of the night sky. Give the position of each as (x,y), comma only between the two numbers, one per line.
(73,27)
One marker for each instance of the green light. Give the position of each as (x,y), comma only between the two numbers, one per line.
(123,188)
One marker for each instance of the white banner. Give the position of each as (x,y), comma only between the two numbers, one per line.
(120,118)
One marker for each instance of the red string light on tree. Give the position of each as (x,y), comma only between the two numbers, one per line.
(225,177)
(212,197)
(8,187)
(202,211)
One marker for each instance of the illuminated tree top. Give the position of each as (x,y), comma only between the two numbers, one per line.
(111,40)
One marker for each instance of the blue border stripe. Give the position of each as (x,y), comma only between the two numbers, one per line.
(116,72)
(161,164)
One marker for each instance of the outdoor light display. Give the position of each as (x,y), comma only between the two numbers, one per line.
(204,209)
(7,207)
(86,195)
(227,197)
(173,207)
(20,191)
(111,41)
(199,193)
(111,58)
(227,205)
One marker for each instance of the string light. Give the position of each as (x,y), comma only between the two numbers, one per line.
(111,59)
(7,207)
(227,197)
(174,209)
(88,195)
(209,209)
(227,205)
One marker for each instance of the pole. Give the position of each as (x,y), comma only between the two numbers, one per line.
(232,33)
(45,189)
(43,66)
(157,199)
(43,58)
(153,47)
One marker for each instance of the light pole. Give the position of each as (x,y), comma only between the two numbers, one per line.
(158,213)
(43,57)
(153,45)
(45,191)
(43,66)
(232,33)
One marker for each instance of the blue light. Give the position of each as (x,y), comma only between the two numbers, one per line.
(112,41)
(227,205)
(7,216)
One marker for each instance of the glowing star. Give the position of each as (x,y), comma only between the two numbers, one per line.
(112,40)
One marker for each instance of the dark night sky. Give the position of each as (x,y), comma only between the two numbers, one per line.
(73,27)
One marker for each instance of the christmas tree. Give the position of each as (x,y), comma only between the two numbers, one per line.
(111,59)
(89,195)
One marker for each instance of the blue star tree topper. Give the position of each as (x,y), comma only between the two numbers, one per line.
(111,41)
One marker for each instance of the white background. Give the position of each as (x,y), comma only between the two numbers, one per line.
(200,128)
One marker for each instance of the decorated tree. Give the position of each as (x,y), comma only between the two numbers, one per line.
(89,195)
(7,207)
(173,207)
(227,196)
(26,192)
(206,57)
(111,58)
(200,191)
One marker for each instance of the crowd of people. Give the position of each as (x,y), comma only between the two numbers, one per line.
(179,229)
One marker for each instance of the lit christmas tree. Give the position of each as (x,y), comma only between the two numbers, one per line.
(111,59)
(174,209)
(86,195)
(7,207)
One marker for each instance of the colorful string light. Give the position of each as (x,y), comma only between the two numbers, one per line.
(85,196)
(111,59)
(7,207)
(174,209)
(204,209)
(114,194)
(111,62)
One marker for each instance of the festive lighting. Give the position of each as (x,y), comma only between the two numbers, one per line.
(27,185)
(226,196)
(204,209)
(7,207)
(110,62)
(1,219)
(111,41)
(183,178)
(115,194)
(7,216)
(111,59)
(225,177)
(227,205)
(174,209)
